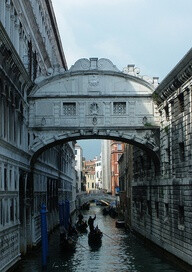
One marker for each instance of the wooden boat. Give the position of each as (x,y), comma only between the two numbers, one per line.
(105,211)
(81,226)
(95,237)
(120,223)
(85,206)
(112,212)
(67,244)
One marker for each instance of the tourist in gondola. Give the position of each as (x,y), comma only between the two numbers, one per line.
(91,223)
(81,225)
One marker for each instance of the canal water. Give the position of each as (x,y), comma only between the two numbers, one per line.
(120,251)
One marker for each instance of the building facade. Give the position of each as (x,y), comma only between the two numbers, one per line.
(30,47)
(98,175)
(90,175)
(161,208)
(79,167)
(106,165)
(117,149)
(125,183)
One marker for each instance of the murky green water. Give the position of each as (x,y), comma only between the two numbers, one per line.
(120,251)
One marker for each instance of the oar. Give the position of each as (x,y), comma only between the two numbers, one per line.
(109,237)
(78,243)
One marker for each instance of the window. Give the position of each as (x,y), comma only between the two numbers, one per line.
(69,109)
(181,151)
(166,112)
(119,108)
(181,102)
(166,209)
(11,210)
(181,214)
(157,208)
(119,147)
(5,179)
(149,209)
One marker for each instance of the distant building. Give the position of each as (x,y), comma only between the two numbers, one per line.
(90,175)
(98,174)
(106,165)
(79,166)
(117,149)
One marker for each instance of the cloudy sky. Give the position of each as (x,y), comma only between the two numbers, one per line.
(152,34)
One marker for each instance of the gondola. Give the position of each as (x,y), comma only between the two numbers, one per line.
(120,223)
(105,211)
(95,237)
(67,244)
(81,226)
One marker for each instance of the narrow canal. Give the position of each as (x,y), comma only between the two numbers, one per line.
(120,251)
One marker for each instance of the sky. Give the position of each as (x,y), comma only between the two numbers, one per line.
(152,34)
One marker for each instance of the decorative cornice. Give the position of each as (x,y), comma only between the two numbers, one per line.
(9,54)
(175,79)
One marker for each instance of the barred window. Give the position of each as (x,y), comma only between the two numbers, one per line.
(181,102)
(69,109)
(119,108)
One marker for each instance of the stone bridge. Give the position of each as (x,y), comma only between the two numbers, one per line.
(93,99)
(85,197)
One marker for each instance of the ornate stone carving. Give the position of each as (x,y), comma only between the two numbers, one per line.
(93,64)
(94,109)
(94,121)
(93,80)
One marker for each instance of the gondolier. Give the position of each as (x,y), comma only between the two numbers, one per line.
(91,223)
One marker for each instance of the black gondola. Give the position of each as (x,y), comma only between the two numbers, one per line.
(95,237)
(67,243)
(105,211)
(81,226)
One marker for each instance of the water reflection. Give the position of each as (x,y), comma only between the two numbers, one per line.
(120,251)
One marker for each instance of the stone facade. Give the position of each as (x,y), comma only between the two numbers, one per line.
(79,168)
(106,165)
(29,48)
(161,207)
(90,175)
(117,149)
(93,100)
(125,183)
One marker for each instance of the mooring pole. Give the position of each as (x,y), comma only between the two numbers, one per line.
(67,213)
(44,236)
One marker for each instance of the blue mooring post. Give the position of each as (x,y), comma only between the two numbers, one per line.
(44,236)
(67,213)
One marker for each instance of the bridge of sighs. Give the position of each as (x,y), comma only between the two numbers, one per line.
(94,100)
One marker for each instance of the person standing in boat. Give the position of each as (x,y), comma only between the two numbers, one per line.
(91,223)
(80,216)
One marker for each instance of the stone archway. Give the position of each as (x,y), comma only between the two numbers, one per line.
(93,100)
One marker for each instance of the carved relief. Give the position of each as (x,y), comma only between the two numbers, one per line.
(93,80)
(94,121)
(94,109)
